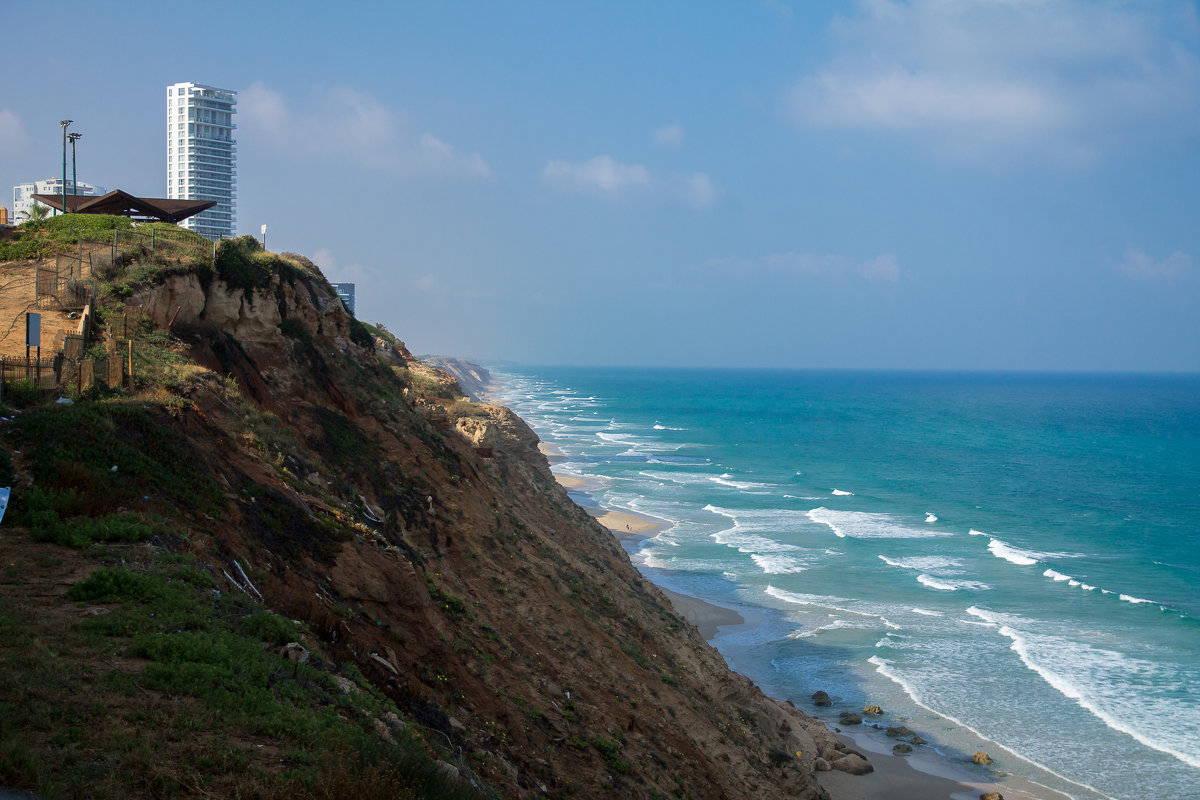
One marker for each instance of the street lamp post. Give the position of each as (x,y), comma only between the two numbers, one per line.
(64,124)
(73,138)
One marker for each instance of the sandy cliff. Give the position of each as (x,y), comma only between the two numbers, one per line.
(422,538)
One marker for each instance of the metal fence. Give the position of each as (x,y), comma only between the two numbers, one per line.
(41,372)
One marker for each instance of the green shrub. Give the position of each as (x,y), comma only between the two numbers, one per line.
(360,334)
(70,228)
(21,249)
(117,585)
(294,329)
(22,394)
(270,628)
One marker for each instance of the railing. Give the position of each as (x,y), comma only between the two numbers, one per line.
(41,372)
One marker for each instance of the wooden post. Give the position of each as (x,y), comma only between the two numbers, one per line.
(130,365)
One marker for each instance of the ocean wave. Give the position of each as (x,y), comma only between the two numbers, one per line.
(868,525)
(840,493)
(826,602)
(950,585)
(836,625)
(658,426)
(883,667)
(930,516)
(945,564)
(1130,695)
(727,480)
(926,613)
(1128,598)
(777,564)
(1000,549)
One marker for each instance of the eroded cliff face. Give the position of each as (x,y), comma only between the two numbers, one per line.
(472,591)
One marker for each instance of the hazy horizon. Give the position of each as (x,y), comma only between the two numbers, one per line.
(999,185)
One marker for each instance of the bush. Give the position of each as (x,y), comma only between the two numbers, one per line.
(117,585)
(22,394)
(294,329)
(70,228)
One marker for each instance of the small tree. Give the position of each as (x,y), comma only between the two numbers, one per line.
(36,212)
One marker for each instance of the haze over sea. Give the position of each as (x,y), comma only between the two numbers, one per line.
(1004,562)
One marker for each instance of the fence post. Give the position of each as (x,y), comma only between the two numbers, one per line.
(152,238)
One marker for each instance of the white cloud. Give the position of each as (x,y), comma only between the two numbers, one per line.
(1067,80)
(12,132)
(336,273)
(1139,265)
(338,123)
(882,268)
(606,177)
(670,135)
(601,174)
(698,190)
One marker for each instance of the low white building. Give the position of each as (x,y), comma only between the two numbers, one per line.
(23,194)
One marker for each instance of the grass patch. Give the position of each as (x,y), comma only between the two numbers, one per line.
(93,458)
(224,712)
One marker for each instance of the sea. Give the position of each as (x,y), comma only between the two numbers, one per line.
(1002,562)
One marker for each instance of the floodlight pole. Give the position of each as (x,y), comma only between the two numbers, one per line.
(64,124)
(74,137)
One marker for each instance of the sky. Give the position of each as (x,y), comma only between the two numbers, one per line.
(930,184)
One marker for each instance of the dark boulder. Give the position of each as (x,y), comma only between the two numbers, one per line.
(820,698)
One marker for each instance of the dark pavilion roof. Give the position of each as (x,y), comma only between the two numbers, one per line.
(126,205)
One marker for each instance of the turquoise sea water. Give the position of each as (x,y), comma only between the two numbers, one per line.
(1005,562)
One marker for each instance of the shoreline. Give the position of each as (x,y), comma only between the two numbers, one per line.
(924,774)
(894,777)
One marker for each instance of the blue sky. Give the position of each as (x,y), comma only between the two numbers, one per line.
(932,184)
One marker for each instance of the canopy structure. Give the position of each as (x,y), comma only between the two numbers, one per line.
(126,205)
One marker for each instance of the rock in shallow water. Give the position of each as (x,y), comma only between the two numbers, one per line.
(901,749)
(821,699)
(850,718)
(982,758)
(874,711)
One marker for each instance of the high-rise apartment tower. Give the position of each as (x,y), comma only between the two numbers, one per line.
(202,154)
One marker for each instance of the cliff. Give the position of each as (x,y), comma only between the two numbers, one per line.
(407,547)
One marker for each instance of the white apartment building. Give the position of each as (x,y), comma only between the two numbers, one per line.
(202,154)
(23,194)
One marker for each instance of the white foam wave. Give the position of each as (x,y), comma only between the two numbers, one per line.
(827,602)
(836,625)
(926,613)
(777,565)
(840,493)
(949,585)
(867,525)
(930,516)
(945,564)
(1016,555)
(883,667)
(1057,576)
(974,532)
(1123,692)
(727,480)
(1128,598)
